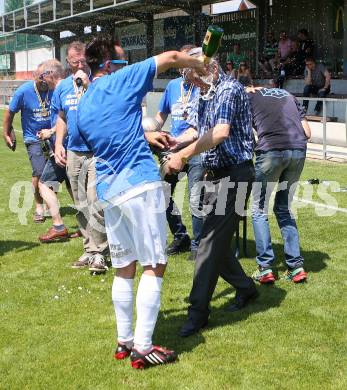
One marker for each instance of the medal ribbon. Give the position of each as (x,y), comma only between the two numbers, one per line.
(42,103)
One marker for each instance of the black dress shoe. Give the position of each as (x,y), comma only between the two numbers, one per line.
(178,245)
(242,300)
(189,328)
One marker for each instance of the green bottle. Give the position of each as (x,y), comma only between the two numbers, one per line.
(212,42)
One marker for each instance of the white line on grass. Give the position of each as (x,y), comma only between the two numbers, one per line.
(323,205)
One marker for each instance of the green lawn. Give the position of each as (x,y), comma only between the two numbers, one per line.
(57,324)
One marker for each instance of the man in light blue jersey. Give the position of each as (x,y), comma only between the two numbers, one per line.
(79,161)
(177,101)
(129,185)
(33,100)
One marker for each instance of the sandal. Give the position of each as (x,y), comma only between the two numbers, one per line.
(38,218)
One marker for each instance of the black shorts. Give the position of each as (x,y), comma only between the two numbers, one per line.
(53,175)
(36,157)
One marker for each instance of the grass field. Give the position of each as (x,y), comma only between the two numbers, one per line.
(57,324)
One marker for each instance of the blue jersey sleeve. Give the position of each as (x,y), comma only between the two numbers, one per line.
(16,103)
(164,105)
(140,76)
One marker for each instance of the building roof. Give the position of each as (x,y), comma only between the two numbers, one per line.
(49,17)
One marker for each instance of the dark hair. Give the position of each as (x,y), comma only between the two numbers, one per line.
(310,59)
(303,31)
(99,50)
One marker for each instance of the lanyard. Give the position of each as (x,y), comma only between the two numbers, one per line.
(42,103)
(185,98)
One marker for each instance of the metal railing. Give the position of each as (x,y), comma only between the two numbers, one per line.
(324,121)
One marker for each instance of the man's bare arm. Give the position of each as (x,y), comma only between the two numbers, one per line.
(161,118)
(176,59)
(60,130)
(7,127)
(307,128)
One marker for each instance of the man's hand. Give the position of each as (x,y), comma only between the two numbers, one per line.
(10,140)
(175,163)
(44,134)
(159,139)
(322,90)
(83,76)
(60,155)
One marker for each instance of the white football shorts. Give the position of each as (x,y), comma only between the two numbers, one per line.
(136,228)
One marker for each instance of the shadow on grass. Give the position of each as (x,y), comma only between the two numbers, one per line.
(19,246)
(67,211)
(314,261)
(170,321)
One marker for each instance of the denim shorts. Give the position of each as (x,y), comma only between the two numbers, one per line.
(53,173)
(36,157)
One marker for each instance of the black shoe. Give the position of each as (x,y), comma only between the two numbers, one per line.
(242,300)
(192,256)
(189,328)
(178,245)
(156,356)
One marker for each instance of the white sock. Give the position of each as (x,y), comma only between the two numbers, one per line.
(122,297)
(147,309)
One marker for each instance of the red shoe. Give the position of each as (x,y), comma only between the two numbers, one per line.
(54,235)
(264,276)
(122,352)
(156,356)
(297,275)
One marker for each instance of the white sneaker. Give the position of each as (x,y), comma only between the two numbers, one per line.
(98,264)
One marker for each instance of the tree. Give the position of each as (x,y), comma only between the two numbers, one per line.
(11,5)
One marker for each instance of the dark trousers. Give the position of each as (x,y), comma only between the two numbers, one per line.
(311,89)
(215,257)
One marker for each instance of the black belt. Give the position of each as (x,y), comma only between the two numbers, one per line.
(219,173)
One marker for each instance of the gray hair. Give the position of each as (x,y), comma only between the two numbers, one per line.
(53,66)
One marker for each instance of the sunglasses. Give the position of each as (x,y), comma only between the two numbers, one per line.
(44,74)
(115,62)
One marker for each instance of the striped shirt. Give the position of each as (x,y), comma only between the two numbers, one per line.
(229,105)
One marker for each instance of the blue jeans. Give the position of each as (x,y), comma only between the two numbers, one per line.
(283,167)
(195,173)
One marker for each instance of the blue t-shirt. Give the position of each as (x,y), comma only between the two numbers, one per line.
(33,116)
(65,100)
(171,103)
(109,118)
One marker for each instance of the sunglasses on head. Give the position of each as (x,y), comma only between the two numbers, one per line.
(44,74)
(115,62)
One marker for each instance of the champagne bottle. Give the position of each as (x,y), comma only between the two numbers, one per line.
(212,42)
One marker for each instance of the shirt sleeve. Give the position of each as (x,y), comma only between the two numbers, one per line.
(300,108)
(16,103)
(226,108)
(164,105)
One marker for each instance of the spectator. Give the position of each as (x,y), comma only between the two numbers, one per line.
(236,57)
(317,82)
(269,59)
(294,65)
(230,70)
(244,75)
(284,46)
(306,45)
